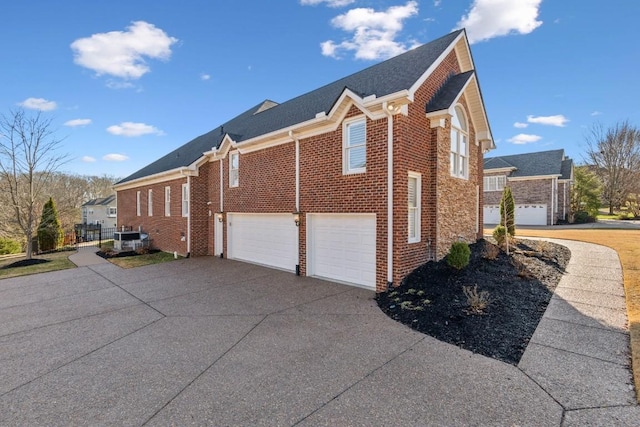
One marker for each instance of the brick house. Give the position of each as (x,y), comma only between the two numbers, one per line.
(540,183)
(359,181)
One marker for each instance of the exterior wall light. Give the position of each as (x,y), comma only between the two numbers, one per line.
(220,216)
(296,218)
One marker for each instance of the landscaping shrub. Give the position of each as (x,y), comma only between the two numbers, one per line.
(9,246)
(491,251)
(500,234)
(582,217)
(477,301)
(459,255)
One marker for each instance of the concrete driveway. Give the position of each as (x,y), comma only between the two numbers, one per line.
(215,342)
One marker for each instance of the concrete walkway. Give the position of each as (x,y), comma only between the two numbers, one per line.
(205,341)
(86,256)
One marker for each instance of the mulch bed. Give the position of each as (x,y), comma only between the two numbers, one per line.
(519,286)
(113,254)
(26,263)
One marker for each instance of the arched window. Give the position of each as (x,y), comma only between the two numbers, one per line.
(459,144)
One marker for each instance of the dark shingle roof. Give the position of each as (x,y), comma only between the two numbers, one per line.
(449,92)
(104,201)
(532,164)
(391,76)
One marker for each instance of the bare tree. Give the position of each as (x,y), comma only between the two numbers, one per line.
(615,153)
(28,158)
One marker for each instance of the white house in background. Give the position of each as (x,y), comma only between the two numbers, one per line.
(102,211)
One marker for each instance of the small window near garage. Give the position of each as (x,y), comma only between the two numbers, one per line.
(137,203)
(414,192)
(234,164)
(167,201)
(459,144)
(354,146)
(150,203)
(494,183)
(185,199)
(111,212)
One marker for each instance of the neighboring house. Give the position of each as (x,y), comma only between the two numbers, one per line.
(100,211)
(359,181)
(540,183)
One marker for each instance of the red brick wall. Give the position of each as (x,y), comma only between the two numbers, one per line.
(325,189)
(166,233)
(201,212)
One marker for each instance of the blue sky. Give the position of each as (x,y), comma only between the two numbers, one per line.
(127,81)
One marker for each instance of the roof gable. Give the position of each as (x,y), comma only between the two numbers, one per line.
(542,163)
(400,73)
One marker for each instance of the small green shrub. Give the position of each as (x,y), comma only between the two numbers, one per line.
(582,217)
(500,234)
(458,256)
(9,246)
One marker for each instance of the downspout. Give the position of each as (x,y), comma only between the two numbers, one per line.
(389,195)
(221,187)
(189,217)
(297,145)
(552,197)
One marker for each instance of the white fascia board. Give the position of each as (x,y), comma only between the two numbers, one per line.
(532,178)
(436,63)
(169,175)
(499,170)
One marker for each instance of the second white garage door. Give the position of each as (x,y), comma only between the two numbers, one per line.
(535,214)
(342,247)
(269,239)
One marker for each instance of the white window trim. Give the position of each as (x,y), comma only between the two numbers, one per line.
(234,181)
(138,212)
(167,201)
(494,183)
(345,147)
(185,200)
(150,202)
(115,212)
(456,153)
(417,210)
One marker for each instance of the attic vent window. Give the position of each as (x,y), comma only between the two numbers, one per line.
(265,106)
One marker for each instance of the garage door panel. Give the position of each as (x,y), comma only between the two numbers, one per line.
(531,214)
(269,239)
(343,247)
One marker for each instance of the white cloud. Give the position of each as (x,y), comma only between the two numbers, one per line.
(38,104)
(374,33)
(204,76)
(520,125)
(558,120)
(77,122)
(596,113)
(493,18)
(436,3)
(133,129)
(122,53)
(114,157)
(523,138)
(118,84)
(330,3)
(88,159)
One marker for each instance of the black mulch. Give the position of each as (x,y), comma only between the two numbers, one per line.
(431,299)
(26,263)
(112,254)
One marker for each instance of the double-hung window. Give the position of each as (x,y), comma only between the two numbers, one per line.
(494,183)
(137,203)
(234,164)
(185,199)
(167,201)
(414,191)
(459,144)
(150,203)
(111,212)
(354,146)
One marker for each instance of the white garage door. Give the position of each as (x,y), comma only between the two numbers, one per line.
(342,247)
(491,214)
(269,239)
(535,214)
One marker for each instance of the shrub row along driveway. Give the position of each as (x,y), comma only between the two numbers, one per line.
(206,341)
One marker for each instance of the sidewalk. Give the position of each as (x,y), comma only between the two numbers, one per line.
(87,256)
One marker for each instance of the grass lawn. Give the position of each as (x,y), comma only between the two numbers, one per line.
(141,260)
(627,244)
(57,261)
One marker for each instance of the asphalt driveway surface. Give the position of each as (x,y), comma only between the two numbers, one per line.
(206,341)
